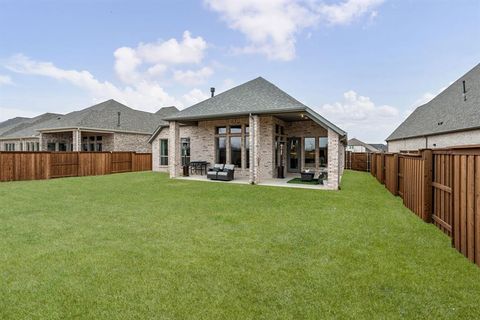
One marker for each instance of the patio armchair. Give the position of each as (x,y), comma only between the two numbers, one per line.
(227,174)
(212,172)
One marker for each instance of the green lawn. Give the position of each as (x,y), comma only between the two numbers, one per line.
(142,246)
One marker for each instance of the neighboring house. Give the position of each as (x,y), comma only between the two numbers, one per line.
(255,126)
(380,147)
(452,118)
(107,126)
(19,134)
(355,145)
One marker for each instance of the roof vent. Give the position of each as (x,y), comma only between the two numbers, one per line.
(118,118)
(212,90)
(464,91)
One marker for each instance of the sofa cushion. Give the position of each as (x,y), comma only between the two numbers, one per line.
(229,167)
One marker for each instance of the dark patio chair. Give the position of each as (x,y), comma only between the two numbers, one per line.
(212,172)
(227,174)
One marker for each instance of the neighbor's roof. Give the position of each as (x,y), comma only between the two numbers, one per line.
(24,127)
(104,116)
(166,111)
(356,142)
(257,96)
(447,112)
(379,146)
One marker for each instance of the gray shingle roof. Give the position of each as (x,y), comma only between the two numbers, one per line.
(11,123)
(255,96)
(447,112)
(166,111)
(26,127)
(379,146)
(105,116)
(356,142)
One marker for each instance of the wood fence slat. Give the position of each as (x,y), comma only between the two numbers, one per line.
(21,165)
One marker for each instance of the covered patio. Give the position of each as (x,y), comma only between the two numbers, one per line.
(267,136)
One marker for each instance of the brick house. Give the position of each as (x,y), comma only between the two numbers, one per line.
(107,126)
(452,118)
(258,128)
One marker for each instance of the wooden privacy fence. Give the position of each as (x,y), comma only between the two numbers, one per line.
(359,161)
(15,166)
(441,186)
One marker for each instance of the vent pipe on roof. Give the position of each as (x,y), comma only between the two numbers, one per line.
(118,118)
(464,91)
(212,90)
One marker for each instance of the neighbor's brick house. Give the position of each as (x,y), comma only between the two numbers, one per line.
(255,126)
(452,118)
(107,126)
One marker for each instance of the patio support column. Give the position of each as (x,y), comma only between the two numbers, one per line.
(76,140)
(174,149)
(333,159)
(254,140)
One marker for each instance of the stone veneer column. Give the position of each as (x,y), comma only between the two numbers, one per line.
(333,159)
(254,140)
(174,149)
(76,140)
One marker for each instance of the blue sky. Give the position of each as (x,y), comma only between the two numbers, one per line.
(363,64)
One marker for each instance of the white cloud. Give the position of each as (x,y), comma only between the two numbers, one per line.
(361,117)
(143,95)
(139,69)
(193,77)
(126,64)
(271,26)
(195,96)
(4,79)
(170,52)
(155,60)
(347,11)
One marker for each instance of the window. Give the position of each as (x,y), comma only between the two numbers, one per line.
(309,148)
(98,147)
(221,150)
(236,151)
(92,147)
(221,130)
(38,146)
(185,143)
(164,152)
(247,129)
(235,129)
(247,152)
(84,147)
(62,146)
(323,147)
(99,138)
(50,146)
(21,146)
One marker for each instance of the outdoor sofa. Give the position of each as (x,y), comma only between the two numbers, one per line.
(223,172)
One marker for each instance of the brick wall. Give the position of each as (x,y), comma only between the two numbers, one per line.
(131,142)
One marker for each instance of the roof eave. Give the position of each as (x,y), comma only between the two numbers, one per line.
(233,114)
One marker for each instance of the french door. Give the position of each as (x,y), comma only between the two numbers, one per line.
(293,154)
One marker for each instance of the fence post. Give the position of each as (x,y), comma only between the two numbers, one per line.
(395,175)
(134,158)
(48,165)
(382,168)
(427,184)
(373,164)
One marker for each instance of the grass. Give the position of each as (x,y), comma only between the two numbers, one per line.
(142,246)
